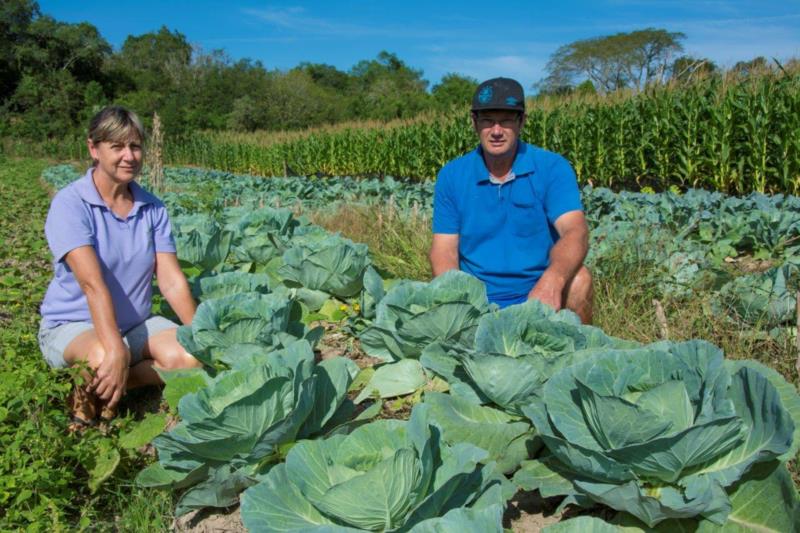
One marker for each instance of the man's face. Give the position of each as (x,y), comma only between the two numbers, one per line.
(498,131)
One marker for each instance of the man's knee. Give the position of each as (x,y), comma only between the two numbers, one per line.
(580,295)
(582,284)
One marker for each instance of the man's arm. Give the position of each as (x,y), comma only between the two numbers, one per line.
(566,257)
(444,253)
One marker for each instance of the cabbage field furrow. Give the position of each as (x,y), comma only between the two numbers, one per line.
(667,434)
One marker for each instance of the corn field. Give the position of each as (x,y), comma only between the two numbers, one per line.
(734,136)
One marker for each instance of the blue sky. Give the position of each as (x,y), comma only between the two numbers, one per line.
(482,39)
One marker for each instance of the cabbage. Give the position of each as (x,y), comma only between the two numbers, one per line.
(660,432)
(388,475)
(333,265)
(236,426)
(414,314)
(223,327)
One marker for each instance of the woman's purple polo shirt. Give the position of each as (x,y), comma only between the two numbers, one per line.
(125,247)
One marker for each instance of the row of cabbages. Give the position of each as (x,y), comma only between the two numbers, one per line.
(680,241)
(670,434)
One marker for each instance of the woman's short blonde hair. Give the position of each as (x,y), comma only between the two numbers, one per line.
(115,124)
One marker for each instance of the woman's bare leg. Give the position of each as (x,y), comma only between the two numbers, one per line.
(167,353)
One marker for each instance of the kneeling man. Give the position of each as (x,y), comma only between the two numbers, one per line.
(510,213)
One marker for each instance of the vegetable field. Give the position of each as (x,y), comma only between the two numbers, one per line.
(337,397)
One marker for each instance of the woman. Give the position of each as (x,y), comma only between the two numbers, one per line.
(108,237)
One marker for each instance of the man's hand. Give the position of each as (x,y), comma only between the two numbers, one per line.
(549,290)
(111,376)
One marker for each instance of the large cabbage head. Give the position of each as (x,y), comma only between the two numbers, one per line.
(224,327)
(262,236)
(236,425)
(202,244)
(660,432)
(388,475)
(414,314)
(516,350)
(334,265)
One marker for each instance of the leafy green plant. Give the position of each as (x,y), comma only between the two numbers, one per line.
(233,430)
(414,314)
(660,432)
(223,329)
(333,265)
(388,475)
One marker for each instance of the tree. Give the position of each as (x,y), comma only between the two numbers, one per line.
(15,18)
(454,90)
(326,76)
(686,68)
(386,88)
(615,61)
(156,58)
(746,68)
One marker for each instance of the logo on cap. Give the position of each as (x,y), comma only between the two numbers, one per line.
(512,101)
(485,95)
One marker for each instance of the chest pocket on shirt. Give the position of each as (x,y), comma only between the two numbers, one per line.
(526,211)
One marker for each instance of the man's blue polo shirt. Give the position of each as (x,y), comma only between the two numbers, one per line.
(505,231)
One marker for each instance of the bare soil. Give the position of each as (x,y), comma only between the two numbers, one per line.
(210,521)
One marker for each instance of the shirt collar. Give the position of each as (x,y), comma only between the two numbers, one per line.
(88,193)
(522,166)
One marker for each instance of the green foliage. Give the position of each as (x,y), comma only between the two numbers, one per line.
(231,430)
(334,265)
(661,432)
(414,314)
(454,90)
(731,135)
(225,330)
(385,476)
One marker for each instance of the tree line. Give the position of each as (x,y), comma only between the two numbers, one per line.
(55,75)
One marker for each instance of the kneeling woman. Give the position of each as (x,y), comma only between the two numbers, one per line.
(108,237)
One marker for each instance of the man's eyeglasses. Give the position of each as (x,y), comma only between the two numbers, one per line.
(486,122)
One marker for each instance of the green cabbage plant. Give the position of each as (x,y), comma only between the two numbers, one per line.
(262,236)
(223,328)
(333,265)
(414,314)
(227,283)
(234,429)
(202,244)
(515,352)
(389,475)
(764,299)
(661,432)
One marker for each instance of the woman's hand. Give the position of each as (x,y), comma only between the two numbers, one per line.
(111,377)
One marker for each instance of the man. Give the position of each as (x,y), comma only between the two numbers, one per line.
(510,213)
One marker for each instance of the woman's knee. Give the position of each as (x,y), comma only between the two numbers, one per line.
(175,357)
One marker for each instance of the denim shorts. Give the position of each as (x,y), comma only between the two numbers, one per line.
(53,341)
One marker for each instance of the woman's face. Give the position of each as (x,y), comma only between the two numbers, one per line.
(119,160)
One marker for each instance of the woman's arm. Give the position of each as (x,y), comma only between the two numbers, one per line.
(173,285)
(112,374)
